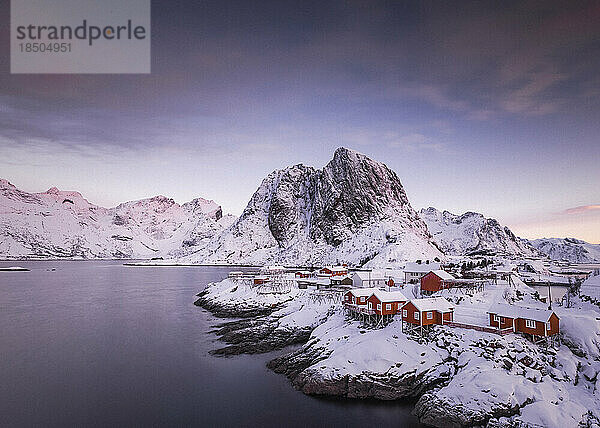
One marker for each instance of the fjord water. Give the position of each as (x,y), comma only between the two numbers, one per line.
(102,344)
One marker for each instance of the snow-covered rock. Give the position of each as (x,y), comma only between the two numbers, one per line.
(353,210)
(461,377)
(568,249)
(59,223)
(472,233)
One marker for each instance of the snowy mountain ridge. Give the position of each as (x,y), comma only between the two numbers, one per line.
(353,210)
(568,249)
(59,223)
(472,233)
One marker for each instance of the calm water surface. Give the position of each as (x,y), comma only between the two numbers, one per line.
(101,344)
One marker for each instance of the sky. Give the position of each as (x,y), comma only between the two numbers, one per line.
(491,107)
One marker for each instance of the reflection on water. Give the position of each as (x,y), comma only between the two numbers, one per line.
(101,344)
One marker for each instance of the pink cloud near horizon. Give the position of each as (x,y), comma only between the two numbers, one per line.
(582,209)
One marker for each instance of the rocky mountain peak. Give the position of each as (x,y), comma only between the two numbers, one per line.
(5,184)
(301,215)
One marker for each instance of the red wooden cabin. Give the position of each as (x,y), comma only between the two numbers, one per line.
(522,319)
(434,281)
(258,280)
(325,271)
(386,302)
(428,311)
(358,296)
(334,271)
(302,274)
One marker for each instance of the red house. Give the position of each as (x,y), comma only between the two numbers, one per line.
(325,271)
(334,271)
(434,281)
(357,297)
(539,323)
(386,302)
(302,274)
(426,312)
(258,280)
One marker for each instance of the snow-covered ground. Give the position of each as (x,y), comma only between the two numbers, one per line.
(591,287)
(463,377)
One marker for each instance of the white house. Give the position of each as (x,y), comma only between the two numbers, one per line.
(368,279)
(413,272)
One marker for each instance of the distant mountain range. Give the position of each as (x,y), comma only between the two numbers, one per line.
(354,210)
(59,224)
(472,233)
(568,249)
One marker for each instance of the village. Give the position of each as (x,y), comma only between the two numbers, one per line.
(483,294)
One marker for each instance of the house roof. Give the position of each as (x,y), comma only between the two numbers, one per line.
(338,269)
(432,304)
(442,274)
(340,277)
(421,267)
(275,267)
(363,292)
(524,312)
(366,276)
(390,296)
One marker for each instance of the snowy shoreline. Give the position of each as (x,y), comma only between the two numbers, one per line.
(457,377)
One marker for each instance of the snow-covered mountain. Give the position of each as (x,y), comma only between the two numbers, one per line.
(472,233)
(57,223)
(568,249)
(353,210)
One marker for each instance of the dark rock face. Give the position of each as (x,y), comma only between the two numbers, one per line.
(256,333)
(351,191)
(435,412)
(302,212)
(381,386)
(230,311)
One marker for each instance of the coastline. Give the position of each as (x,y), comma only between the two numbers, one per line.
(511,382)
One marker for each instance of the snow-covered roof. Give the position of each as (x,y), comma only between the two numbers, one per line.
(363,292)
(566,271)
(433,304)
(421,267)
(366,276)
(338,269)
(275,267)
(524,312)
(390,296)
(442,274)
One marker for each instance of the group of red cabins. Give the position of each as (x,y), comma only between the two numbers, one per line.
(538,323)
(420,312)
